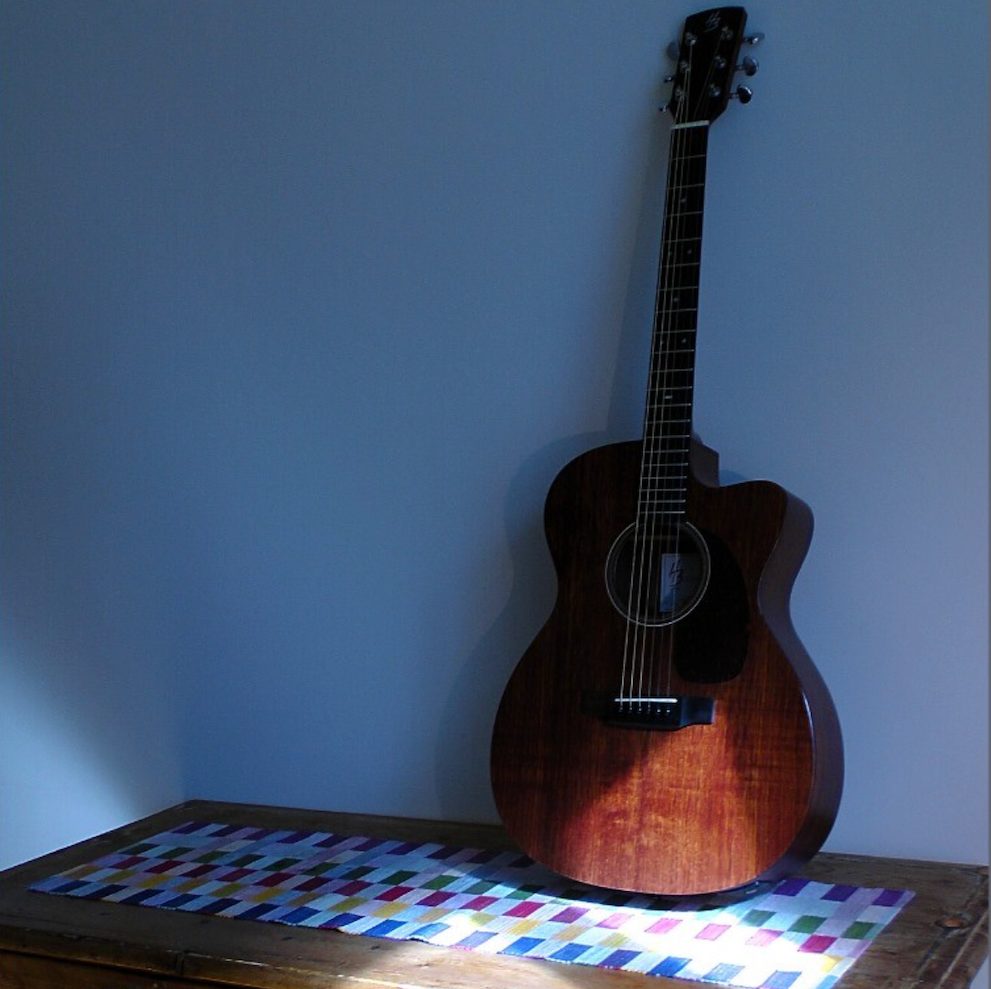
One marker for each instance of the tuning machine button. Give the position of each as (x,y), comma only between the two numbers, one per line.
(754,39)
(673,51)
(749,66)
(743,93)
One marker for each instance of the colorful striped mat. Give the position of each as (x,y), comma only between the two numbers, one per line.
(801,935)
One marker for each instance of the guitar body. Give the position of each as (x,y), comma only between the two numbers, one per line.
(699,809)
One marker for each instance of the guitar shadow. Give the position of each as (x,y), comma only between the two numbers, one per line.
(465,724)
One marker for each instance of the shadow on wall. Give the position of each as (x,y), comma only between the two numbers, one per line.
(82,751)
(465,724)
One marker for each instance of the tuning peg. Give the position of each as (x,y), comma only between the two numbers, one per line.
(743,93)
(673,50)
(749,65)
(754,39)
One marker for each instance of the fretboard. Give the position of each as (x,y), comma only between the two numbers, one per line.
(671,379)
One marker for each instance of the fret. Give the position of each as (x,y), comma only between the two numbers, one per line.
(682,278)
(670,362)
(685,226)
(667,423)
(675,320)
(671,378)
(686,298)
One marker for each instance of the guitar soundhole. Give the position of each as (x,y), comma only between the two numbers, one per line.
(657,577)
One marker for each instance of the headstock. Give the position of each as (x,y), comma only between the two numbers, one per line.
(706,57)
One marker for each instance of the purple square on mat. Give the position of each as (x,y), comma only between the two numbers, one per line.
(444,852)
(790,887)
(840,893)
(569,915)
(887,898)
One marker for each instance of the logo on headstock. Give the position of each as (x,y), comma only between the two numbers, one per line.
(712,21)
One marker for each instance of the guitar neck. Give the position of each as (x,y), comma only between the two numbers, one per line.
(671,379)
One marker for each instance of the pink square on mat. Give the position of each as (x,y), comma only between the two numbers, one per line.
(663,925)
(817,943)
(614,921)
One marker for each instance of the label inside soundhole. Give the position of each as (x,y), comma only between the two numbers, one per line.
(657,577)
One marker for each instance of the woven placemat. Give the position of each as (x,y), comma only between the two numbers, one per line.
(800,935)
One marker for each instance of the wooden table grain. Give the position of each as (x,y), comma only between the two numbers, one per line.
(937,942)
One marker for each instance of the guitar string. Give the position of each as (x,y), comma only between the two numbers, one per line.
(679,422)
(658,525)
(634,651)
(699,153)
(651,520)
(667,517)
(657,521)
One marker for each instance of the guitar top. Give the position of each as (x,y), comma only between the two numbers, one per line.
(666,732)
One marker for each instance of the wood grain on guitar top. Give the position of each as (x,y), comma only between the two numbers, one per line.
(704,808)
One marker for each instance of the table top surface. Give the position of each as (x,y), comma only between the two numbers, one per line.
(938,940)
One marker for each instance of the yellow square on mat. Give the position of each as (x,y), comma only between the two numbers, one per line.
(349,904)
(569,932)
(189,885)
(152,882)
(435,913)
(389,909)
(480,919)
(231,889)
(523,926)
(265,895)
(614,940)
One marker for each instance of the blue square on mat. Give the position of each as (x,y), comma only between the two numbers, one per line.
(522,945)
(781,980)
(670,966)
(569,952)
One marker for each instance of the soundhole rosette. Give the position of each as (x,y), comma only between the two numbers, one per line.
(657,572)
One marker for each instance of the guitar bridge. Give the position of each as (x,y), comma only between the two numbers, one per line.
(651,713)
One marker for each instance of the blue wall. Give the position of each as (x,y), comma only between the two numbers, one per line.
(305,304)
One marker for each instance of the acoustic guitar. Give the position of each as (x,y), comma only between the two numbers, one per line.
(666,732)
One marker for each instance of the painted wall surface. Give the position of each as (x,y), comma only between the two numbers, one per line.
(305,304)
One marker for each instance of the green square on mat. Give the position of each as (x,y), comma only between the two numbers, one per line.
(807,924)
(757,918)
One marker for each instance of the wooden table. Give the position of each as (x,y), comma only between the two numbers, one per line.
(938,940)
